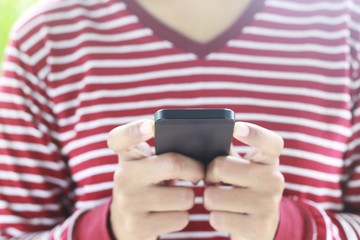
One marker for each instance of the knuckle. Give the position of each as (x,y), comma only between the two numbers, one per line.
(279,146)
(188,198)
(133,224)
(120,178)
(182,220)
(278,181)
(217,221)
(124,201)
(210,198)
(175,163)
(219,166)
(111,139)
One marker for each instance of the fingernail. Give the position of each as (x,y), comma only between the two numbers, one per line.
(242,130)
(146,128)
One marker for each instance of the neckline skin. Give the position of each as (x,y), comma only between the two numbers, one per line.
(187,44)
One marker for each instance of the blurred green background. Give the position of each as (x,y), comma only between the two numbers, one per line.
(10,10)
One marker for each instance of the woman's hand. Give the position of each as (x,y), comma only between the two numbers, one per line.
(247,206)
(143,205)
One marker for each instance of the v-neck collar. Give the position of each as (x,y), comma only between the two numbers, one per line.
(187,44)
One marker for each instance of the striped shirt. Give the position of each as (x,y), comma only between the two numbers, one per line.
(75,69)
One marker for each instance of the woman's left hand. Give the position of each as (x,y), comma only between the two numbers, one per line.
(243,194)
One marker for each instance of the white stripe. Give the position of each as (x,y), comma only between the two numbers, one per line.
(71,224)
(355,7)
(331,206)
(100,37)
(26,146)
(313,174)
(81,52)
(95,109)
(86,141)
(326,35)
(351,219)
(306,6)
(318,191)
(34,39)
(29,207)
(14,52)
(105,122)
(194,235)
(32,163)
(353,183)
(15,114)
(304,20)
(199,200)
(13,67)
(349,231)
(196,71)
(11,98)
(199,217)
(91,64)
(90,155)
(180,87)
(21,130)
(33,178)
(289,47)
(315,157)
(39,14)
(304,122)
(16,83)
(212,100)
(92,171)
(301,137)
(89,204)
(93,188)
(332,232)
(7,219)
(22,192)
(279,61)
(43,53)
(352,198)
(353,144)
(81,25)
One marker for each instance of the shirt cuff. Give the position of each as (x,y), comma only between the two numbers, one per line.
(94,224)
(296,221)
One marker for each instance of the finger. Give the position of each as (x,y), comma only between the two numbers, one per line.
(259,138)
(150,225)
(260,157)
(242,226)
(129,135)
(240,200)
(156,169)
(243,173)
(158,199)
(137,152)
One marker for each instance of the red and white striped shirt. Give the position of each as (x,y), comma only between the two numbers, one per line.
(75,69)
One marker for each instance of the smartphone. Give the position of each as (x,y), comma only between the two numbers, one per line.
(202,134)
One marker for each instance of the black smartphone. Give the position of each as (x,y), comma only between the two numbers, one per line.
(202,134)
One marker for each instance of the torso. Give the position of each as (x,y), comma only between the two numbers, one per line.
(291,77)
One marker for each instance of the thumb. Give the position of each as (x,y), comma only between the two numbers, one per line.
(129,135)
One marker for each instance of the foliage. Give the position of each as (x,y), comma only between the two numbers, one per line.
(10,10)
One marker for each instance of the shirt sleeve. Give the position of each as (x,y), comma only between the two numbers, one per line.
(36,191)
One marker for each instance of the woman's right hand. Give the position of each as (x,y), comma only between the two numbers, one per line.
(143,205)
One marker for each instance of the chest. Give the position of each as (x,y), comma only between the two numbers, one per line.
(292,77)
(200,20)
